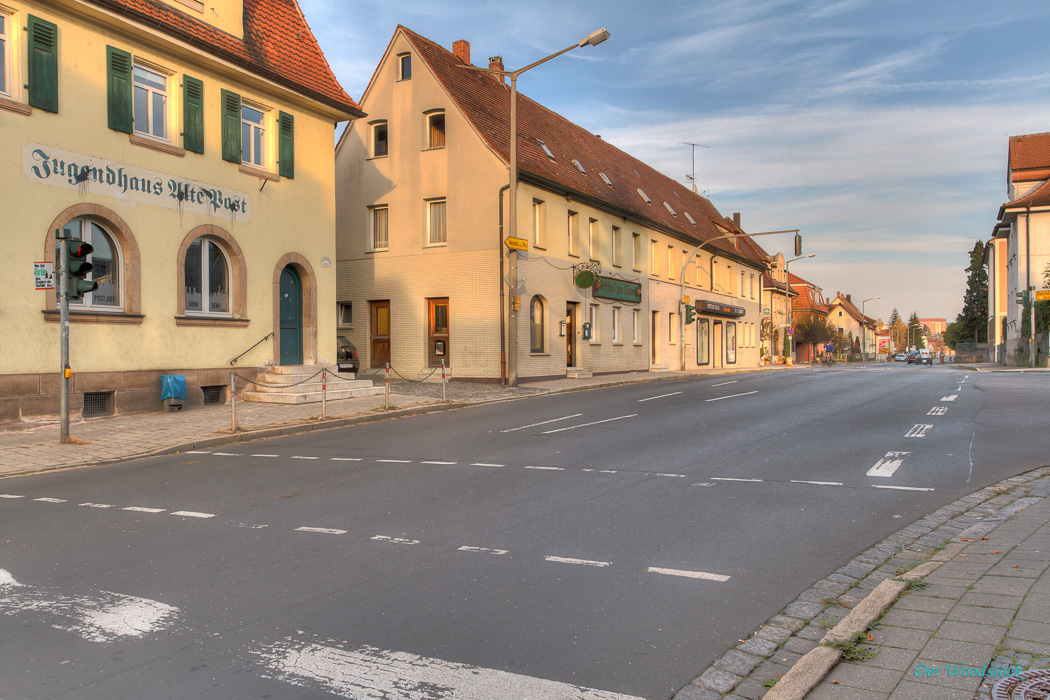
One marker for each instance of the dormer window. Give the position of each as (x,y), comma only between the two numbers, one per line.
(644,196)
(578,166)
(668,206)
(545,149)
(606,178)
(404,66)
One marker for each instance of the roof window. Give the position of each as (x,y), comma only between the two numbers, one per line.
(691,219)
(606,178)
(578,166)
(670,209)
(545,149)
(644,196)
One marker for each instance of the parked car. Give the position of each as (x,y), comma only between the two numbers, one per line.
(346,356)
(900,357)
(913,357)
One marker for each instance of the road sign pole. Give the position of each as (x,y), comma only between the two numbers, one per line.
(61,236)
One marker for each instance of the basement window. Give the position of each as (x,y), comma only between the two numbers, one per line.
(98,403)
(214,394)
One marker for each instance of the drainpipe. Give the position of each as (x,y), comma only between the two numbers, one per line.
(502,297)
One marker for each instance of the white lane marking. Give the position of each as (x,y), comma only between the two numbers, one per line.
(888,465)
(192,514)
(394,540)
(550,469)
(582,562)
(584,425)
(98,617)
(322,530)
(370,672)
(227,454)
(10,495)
(345,459)
(816,483)
(950,397)
(395,461)
(482,550)
(51,500)
(918,430)
(301,457)
(688,574)
(439,462)
(676,476)
(485,464)
(139,509)
(937,411)
(729,478)
(661,396)
(900,488)
(97,505)
(725,383)
(197,452)
(259,455)
(533,425)
(733,396)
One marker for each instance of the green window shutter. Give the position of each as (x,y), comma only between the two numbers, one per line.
(192,114)
(231,126)
(43,64)
(119,89)
(286,144)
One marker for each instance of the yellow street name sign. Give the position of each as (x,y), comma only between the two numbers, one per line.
(517,243)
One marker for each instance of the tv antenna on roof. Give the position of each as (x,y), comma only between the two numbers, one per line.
(692,178)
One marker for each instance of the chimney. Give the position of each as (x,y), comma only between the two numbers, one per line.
(496,63)
(849,298)
(736,219)
(461,49)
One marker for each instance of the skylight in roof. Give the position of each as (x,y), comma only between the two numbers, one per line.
(644,196)
(545,149)
(691,219)
(670,209)
(578,166)
(606,178)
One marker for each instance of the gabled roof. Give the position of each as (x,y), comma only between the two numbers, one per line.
(1029,153)
(485,102)
(808,299)
(1038,197)
(277,44)
(852,310)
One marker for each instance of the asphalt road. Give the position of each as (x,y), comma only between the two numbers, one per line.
(617,539)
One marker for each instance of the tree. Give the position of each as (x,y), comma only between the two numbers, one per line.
(915,331)
(973,321)
(898,332)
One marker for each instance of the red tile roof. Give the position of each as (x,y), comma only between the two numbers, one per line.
(485,101)
(277,44)
(1029,152)
(852,310)
(1038,197)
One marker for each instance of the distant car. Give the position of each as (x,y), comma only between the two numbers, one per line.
(913,357)
(900,357)
(346,356)
(925,358)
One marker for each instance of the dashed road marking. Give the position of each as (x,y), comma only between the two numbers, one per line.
(816,483)
(950,397)
(730,478)
(888,465)
(533,425)
(197,452)
(482,550)
(732,396)
(266,455)
(584,425)
(227,454)
(394,540)
(10,495)
(661,396)
(51,500)
(937,411)
(441,463)
(689,574)
(322,530)
(919,430)
(345,459)
(97,505)
(724,383)
(302,457)
(900,488)
(139,509)
(395,461)
(549,469)
(581,562)
(675,476)
(486,464)
(193,514)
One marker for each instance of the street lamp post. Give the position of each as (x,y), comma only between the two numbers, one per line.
(681,280)
(787,292)
(592,39)
(864,326)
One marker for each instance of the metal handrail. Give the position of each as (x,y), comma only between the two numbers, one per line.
(267,336)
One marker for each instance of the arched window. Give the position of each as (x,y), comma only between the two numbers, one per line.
(537,326)
(207,278)
(106,266)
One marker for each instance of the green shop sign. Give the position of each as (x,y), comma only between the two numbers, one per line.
(619,290)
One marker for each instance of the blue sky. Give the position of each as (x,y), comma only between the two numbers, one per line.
(879,128)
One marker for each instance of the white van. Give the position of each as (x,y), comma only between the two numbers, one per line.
(925,358)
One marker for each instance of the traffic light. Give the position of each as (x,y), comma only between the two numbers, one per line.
(1022,297)
(77,268)
(690,314)
(798,244)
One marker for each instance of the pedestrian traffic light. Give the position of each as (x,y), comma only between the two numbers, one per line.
(77,268)
(798,244)
(690,314)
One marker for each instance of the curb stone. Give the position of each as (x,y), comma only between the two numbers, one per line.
(919,548)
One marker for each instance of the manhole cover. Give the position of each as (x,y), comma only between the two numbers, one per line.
(1027,685)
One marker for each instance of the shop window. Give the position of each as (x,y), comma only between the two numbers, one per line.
(730,343)
(207,279)
(703,341)
(106,266)
(537,325)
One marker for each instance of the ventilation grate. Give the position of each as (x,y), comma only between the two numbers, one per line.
(214,394)
(98,403)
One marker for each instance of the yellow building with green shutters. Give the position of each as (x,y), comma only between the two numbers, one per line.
(190,143)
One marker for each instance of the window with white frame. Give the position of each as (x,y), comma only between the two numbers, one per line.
(6,34)
(636,328)
(253,135)
(742,283)
(404,66)
(670,262)
(752,285)
(105,262)
(436,129)
(593,318)
(636,247)
(207,278)
(346,314)
(574,233)
(380,140)
(654,261)
(539,223)
(151,103)
(616,324)
(437,232)
(672,328)
(617,242)
(380,221)
(593,242)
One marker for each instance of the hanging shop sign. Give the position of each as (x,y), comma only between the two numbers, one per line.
(585,279)
(75,171)
(619,290)
(715,309)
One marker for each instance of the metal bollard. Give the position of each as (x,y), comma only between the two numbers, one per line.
(233,402)
(387,388)
(442,380)
(324,393)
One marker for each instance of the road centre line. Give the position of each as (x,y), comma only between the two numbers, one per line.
(197,452)
(732,396)
(676,476)
(393,540)
(729,478)
(322,530)
(51,500)
(582,562)
(193,514)
(888,465)
(661,396)
(139,509)
(950,397)
(10,495)
(227,454)
(97,505)
(584,425)
(816,483)
(689,574)
(345,459)
(485,464)
(301,457)
(900,488)
(439,462)
(549,469)
(482,550)
(395,461)
(533,425)
(265,455)
(725,383)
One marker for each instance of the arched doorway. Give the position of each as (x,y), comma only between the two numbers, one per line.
(291,316)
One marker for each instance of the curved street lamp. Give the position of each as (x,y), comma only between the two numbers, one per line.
(865,326)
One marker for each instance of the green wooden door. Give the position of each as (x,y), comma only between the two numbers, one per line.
(291,317)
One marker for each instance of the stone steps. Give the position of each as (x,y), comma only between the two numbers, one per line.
(297,384)
(578,373)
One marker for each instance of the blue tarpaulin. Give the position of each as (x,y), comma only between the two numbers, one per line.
(172,386)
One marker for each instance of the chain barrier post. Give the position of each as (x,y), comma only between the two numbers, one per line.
(387,387)
(442,380)
(233,402)
(324,393)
